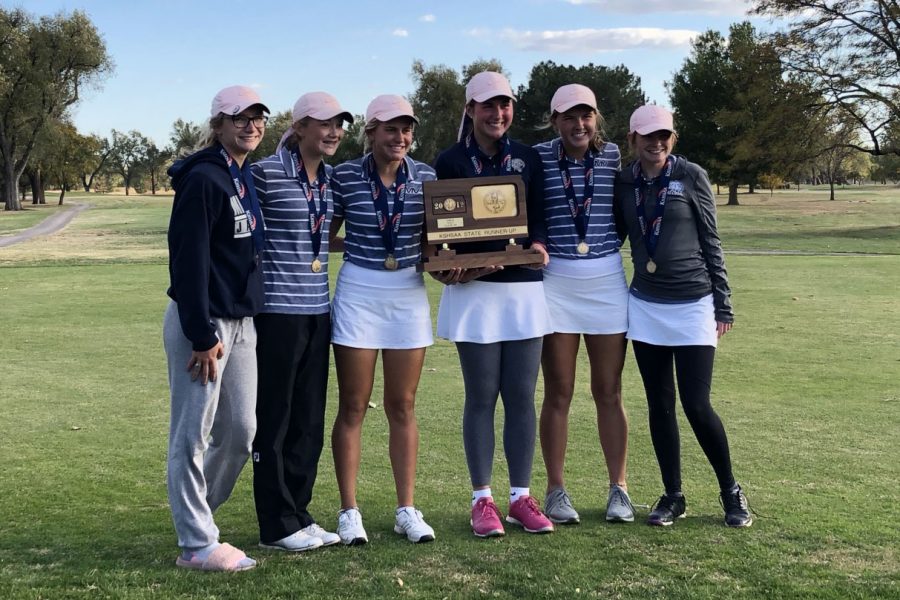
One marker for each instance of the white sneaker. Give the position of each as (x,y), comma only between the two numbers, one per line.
(350,527)
(316,531)
(411,524)
(296,542)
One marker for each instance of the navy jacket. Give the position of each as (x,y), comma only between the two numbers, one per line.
(213,265)
(454,163)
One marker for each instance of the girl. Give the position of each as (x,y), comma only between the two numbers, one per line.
(215,240)
(380,304)
(498,321)
(679,306)
(586,291)
(294,327)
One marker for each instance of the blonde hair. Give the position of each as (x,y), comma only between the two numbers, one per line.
(597,142)
(632,148)
(208,136)
(372,125)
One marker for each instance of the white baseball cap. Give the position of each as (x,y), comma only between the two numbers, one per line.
(649,118)
(486,85)
(570,96)
(234,100)
(389,106)
(321,106)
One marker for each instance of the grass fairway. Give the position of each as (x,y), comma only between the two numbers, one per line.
(807,384)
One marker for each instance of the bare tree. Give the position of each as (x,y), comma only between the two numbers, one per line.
(851,49)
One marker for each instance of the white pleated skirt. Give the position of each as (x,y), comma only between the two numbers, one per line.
(587,296)
(380,309)
(489,312)
(689,324)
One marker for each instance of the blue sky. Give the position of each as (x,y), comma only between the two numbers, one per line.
(172,56)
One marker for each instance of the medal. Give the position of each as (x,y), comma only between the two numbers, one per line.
(651,266)
(390,263)
(583,248)
(316,265)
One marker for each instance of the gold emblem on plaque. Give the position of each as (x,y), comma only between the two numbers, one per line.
(494,201)
(449,204)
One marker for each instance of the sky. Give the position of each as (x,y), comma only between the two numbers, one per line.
(171,57)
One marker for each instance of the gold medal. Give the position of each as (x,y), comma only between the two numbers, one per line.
(583,248)
(651,266)
(316,265)
(390,263)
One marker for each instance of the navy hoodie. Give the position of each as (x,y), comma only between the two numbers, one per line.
(213,265)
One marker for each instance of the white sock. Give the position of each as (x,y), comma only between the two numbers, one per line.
(517,492)
(400,508)
(201,553)
(477,494)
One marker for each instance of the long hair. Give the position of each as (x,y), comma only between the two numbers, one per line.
(208,135)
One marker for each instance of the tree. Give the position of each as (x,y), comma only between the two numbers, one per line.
(62,155)
(736,112)
(94,153)
(185,137)
(129,155)
(618,93)
(44,65)
(351,144)
(155,163)
(851,50)
(275,128)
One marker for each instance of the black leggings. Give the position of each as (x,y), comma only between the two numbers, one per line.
(693,369)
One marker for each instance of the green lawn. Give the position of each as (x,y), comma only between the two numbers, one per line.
(808,385)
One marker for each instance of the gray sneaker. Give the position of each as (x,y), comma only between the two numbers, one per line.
(558,507)
(618,506)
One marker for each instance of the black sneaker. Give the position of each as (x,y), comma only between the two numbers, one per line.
(737,511)
(666,510)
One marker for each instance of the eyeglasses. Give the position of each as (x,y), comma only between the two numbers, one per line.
(241,122)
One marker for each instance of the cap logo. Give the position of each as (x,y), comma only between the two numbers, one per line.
(236,109)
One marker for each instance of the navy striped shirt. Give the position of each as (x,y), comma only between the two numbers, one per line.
(562,237)
(291,285)
(363,244)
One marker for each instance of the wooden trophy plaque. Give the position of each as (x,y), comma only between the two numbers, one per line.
(475,209)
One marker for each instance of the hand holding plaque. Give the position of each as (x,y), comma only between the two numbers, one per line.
(476,209)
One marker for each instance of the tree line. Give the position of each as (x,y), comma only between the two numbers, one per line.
(817,103)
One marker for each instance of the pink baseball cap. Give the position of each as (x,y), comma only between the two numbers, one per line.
(570,96)
(486,85)
(235,99)
(389,106)
(649,118)
(321,106)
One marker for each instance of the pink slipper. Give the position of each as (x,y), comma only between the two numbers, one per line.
(224,558)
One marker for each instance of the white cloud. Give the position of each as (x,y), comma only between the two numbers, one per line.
(592,41)
(400,33)
(645,7)
(428,18)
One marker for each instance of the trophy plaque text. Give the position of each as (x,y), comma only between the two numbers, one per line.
(476,209)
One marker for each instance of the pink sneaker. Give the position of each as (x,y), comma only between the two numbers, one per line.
(525,512)
(486,519)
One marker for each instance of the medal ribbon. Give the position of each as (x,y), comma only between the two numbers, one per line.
(316,218)
(581,213)
(380,194)
(650,232)
(475,155)
(247,195)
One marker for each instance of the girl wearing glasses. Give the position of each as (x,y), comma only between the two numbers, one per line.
(679,305)
(585,288)
(380,305)
(293,327)
(215,241)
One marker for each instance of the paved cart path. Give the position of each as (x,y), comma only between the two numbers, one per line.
(48,226)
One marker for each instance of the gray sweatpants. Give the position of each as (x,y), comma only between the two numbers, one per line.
(212,426)
(510,370)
